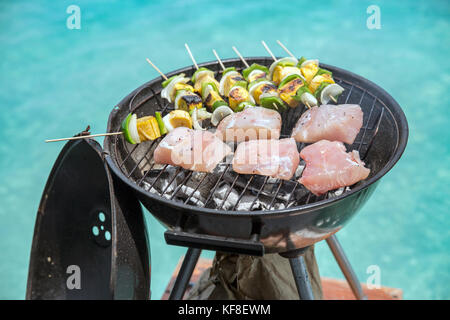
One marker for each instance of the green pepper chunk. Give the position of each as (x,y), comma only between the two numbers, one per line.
(228,70)
(273,103)
(159,120)
(166,82)
(300,61)
(246,72)
(290,78)
(218,104)
(320,88)
(323,71)
(126,132)
(300,92)
(242,106)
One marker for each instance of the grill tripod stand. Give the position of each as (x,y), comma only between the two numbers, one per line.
(298,267)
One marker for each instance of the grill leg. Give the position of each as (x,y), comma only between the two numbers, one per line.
(301,277)
(300,273)
(185,273)
(346,268)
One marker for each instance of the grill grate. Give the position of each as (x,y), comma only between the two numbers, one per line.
(137,160)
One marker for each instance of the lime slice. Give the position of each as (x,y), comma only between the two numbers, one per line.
(220,113)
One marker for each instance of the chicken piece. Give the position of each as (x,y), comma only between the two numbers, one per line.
(194,150)
(250,124)
(331,122)
(329,166)
(274,158)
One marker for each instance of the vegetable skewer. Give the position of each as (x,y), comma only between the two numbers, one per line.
(262,90)
(234,87)
(322,83)
(292,86)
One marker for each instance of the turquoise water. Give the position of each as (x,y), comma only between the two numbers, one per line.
(54,81)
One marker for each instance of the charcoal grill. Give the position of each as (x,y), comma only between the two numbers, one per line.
(251,214)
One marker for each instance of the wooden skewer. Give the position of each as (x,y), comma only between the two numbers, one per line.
(268,50)
(190,54)
(332,98)
(285,49)
(218,59)
(156,68)
(240,56)
(84,137)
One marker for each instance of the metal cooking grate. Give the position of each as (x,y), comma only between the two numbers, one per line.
(137,163)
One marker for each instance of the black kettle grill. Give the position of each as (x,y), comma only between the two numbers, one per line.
(90,214)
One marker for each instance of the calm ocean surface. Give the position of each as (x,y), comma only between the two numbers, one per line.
(54,81)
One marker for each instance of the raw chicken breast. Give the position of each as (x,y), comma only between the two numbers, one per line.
(195,150)
(250,124)
(331,122)
(329,166)
(274,158)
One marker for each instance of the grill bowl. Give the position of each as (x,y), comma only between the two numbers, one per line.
(381,142)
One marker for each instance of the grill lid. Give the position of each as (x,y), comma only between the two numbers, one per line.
(90,239)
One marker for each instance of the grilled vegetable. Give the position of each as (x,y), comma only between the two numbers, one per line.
(229,80)
(260,86)
(148,128)
(187,100)
(318,80)
(288,90)
(309,69)
(220,113)
(203,75)
(139,130)
(129,129)
(177,118)
(330,92)
(284,62)
(271,101)
(162,127)
(237,95)
(254,72)
(169,91)
(281,72)
(211,95)
(244,105)
(304,96)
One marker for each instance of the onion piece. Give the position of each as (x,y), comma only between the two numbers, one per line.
(332,90)
(223,80)
(274,64)
(132,129)
(308,99)
(167,92)
(195,121)
(220,113)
